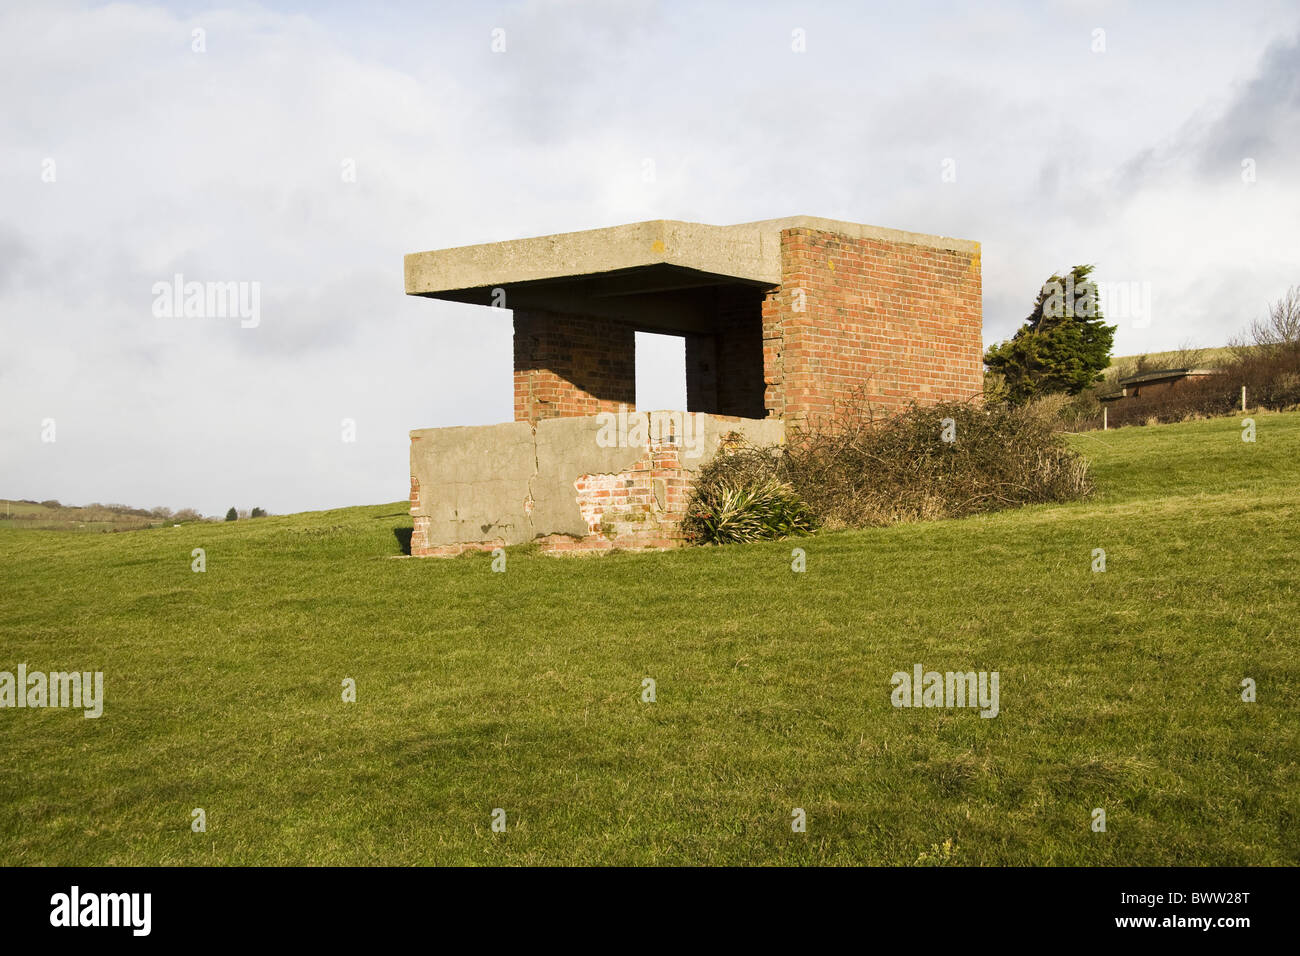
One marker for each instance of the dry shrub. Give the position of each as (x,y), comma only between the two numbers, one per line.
(1050,407)
(857,470)
(1071,413)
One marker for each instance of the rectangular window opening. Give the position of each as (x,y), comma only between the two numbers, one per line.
(660,372)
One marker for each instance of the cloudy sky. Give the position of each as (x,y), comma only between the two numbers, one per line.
(306,147)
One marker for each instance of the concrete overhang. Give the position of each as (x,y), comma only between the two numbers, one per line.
(661,274)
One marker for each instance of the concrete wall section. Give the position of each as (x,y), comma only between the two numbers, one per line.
(459,475)
(616,480)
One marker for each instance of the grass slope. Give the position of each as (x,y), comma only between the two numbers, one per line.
(1202,358)
(521,690)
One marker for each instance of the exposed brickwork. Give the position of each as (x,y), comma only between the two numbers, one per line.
(571,365)
(892,321)
(903,321)
(639,508)
(420,535)
(451,550)
(776,304)
(701,372)
(420,529)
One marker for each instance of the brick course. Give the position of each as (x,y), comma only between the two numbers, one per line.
(898,321)
(884,320)
(571,365)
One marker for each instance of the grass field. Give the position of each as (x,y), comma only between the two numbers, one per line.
(42,517)
(1202,358)
(522,690)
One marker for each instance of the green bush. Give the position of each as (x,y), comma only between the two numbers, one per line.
(1064,344)
(726,511)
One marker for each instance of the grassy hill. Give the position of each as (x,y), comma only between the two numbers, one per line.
(1121,365)
(522,690)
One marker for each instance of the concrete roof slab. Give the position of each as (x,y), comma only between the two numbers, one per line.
(747,253)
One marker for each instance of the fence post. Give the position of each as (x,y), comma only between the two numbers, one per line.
(1243,398)
(1105,424)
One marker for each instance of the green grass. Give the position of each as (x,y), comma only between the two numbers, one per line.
(522,690)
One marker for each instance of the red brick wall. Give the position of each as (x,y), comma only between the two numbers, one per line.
(884,320)
(776,305)
(905,321)
(569,365)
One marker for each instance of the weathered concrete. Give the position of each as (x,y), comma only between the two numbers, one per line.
(608,480)
(659,274)
(469,473)
(749,251)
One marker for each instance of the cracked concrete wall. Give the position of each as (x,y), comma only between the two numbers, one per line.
(516,482)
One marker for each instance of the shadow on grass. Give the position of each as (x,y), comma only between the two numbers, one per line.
(403,536)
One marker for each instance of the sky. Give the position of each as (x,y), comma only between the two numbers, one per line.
(302,149)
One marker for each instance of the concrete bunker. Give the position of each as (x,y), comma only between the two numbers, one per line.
(782,319)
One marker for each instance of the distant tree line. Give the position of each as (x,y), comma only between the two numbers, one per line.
(97,510)
(235,514)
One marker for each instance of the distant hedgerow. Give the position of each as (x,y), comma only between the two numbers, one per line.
(1270,375)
